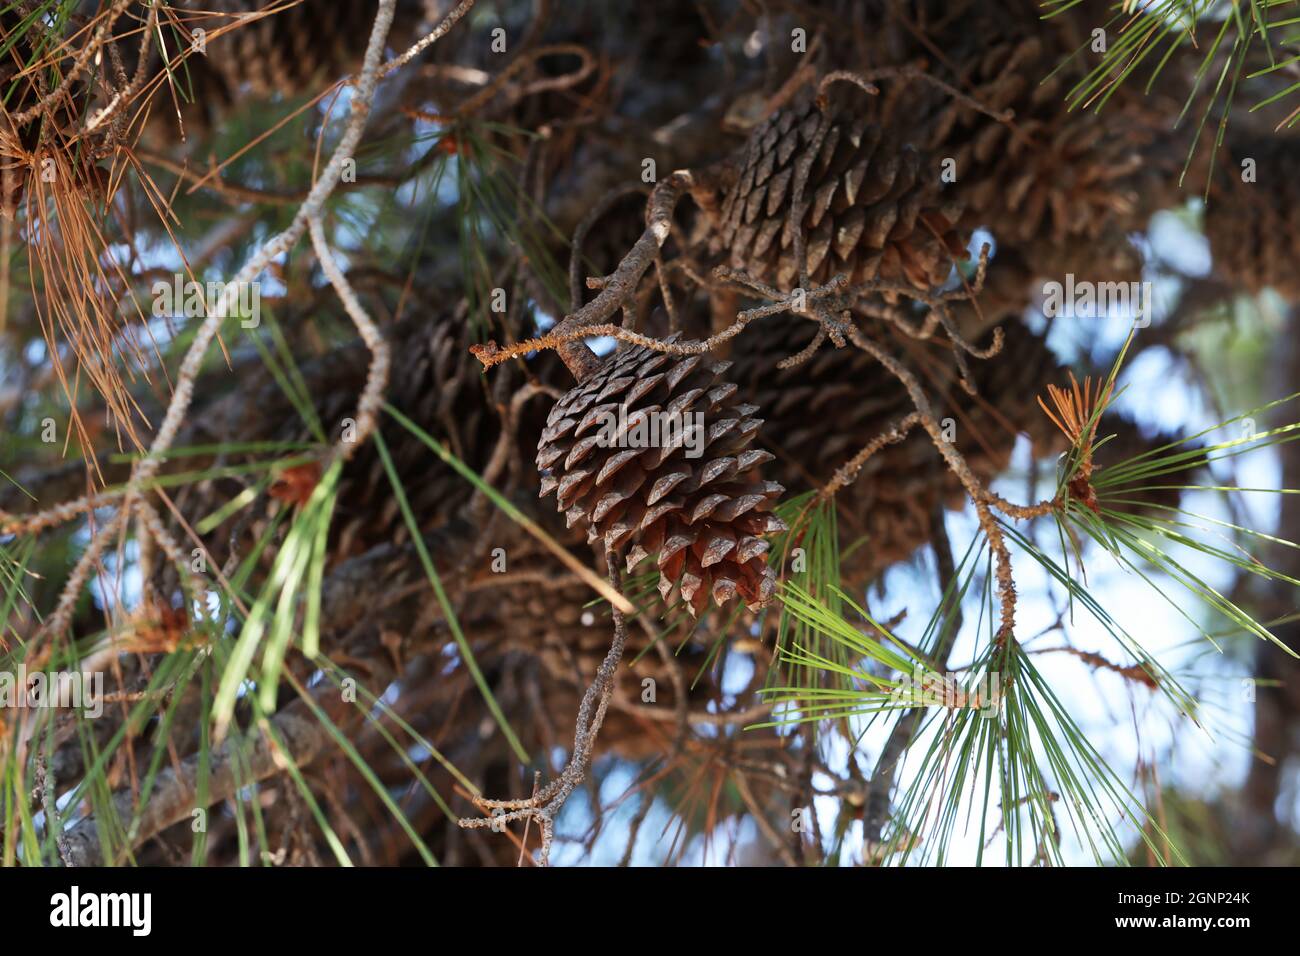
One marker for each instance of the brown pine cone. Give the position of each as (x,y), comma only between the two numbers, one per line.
(820,413)
(1254,228)
(1056,182)
(434,381)
(1050,172)
(701,518)
(873,204)
(297,49)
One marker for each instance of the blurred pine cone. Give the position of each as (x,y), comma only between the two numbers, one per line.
(434,381)
(1065,186)
(820,413)
(296,49)
(1049,173)
(1254,227)
(873,208)
(300,46)
(702,519)
(823,411)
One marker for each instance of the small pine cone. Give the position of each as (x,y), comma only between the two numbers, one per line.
(701,518)
(872,210)
(1254,228)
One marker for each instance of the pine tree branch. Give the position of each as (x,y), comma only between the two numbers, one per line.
(900,738)
(545,803)
(175,793)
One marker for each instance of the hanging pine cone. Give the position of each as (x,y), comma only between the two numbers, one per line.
(434,385)
(873,205)
(1049,172)
(1254,228)
(701,518)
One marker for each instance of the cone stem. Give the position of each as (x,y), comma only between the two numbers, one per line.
(618,288)
(581,361)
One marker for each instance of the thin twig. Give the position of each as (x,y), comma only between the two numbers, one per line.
(545,804)
(372,394)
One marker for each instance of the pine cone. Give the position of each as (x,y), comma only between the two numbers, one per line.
(301,45)
(873,207)
(439,385)
(822,412)
(1254,228)
(701,518)
(292,51)
(1052,177)
(434,381)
